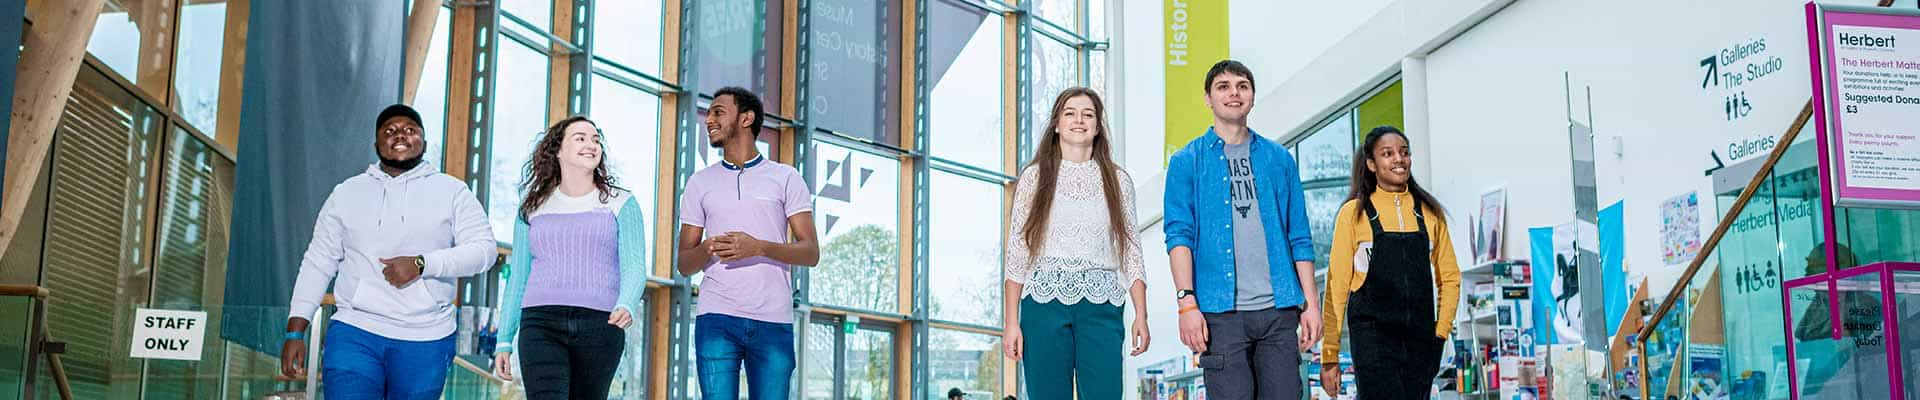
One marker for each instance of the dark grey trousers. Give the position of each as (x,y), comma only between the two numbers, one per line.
(1253,355)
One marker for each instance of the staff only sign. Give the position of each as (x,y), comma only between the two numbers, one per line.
(168,334)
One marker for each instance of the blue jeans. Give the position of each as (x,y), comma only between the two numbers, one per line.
(357,364)
(722,342)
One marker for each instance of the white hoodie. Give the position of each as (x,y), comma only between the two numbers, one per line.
(373,216)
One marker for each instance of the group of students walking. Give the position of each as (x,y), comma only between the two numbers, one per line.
(1241,256)
(392,242)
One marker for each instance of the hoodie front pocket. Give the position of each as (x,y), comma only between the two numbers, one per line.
(409,303)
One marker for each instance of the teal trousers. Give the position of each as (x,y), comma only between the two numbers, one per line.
(1071,347)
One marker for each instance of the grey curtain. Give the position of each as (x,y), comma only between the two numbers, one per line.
(317,74)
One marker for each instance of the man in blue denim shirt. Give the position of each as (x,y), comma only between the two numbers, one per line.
(1235,221)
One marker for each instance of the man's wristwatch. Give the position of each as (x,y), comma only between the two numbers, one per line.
(421,263)
(1182,294)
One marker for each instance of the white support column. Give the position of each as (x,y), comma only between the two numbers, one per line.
(1413,94)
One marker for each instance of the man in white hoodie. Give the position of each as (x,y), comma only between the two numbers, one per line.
(396,238)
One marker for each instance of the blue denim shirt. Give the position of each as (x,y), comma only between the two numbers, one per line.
(1199,217)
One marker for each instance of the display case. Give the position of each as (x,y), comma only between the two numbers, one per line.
(1493,351)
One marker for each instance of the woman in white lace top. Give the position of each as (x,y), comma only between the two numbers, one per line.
(1072,259)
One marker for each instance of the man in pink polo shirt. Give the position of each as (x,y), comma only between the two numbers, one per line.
(735,217)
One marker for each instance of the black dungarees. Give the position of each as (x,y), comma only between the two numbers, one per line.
(1395,354)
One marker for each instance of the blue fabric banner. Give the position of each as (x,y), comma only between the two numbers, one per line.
(1540,240)
(1613,274)
(317,74)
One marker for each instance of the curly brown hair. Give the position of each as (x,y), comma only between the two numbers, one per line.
(541,175)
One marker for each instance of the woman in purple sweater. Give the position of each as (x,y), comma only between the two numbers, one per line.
(577,269)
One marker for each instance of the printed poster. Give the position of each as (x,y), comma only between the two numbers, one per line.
(1489,228)
(1869,76)
(1680,229)
(1706,379)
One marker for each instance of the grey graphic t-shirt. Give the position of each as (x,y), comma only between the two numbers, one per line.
(1252,280)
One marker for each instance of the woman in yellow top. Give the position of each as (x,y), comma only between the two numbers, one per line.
(1389,259)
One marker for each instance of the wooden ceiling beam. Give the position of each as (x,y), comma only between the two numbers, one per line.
(420,23)
(54,46)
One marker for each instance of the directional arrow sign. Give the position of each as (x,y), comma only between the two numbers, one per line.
(1717,164)
(1712,64)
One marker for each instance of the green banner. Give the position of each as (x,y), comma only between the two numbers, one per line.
(1196,32)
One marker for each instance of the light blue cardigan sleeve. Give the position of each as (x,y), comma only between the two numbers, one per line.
(632,227)
(519,263)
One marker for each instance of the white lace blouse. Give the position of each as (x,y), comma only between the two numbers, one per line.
(1076,260)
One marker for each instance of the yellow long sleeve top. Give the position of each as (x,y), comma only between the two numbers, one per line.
(1352,234)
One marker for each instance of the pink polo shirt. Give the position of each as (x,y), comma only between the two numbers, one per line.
(755,198)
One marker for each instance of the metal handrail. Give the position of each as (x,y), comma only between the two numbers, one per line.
(1726,222)
(24,291)
(40,341)
(476,370)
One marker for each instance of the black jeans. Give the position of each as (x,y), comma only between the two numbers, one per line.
(568,352)
(1253,355)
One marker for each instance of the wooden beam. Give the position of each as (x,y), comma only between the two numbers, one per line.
(1674,374)
(660,343)
(903,344)
(1642,346)
(1010,99)
(790,62)
(788,150)
(54,48)
(666,166)
(1628,323)
(233,61)
(964,328)
(158,21)
(905,264)
(908,36)
(1010,128)
(420,23)
(864,315)
(907,163)
(459,130)
(903,361)
(663,225)
(789,145)
(666,170)
(1707,324)
(560,67)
